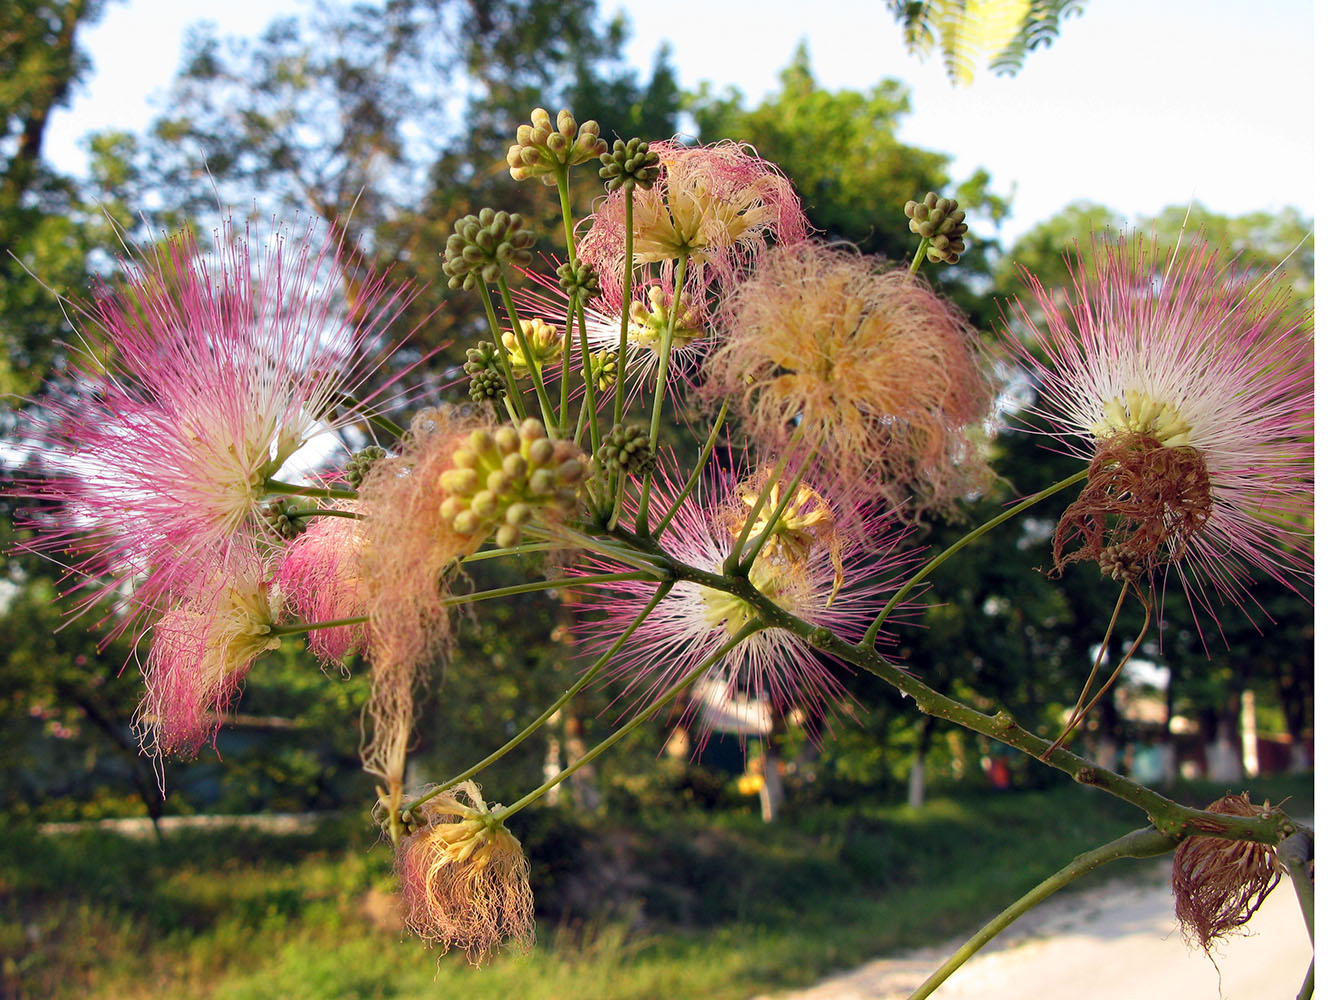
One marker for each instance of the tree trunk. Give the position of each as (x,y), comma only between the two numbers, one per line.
(916,780)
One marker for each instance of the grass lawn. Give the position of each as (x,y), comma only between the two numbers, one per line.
(668,906)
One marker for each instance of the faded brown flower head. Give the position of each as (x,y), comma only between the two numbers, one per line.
(404,555)
(463,876)
(883,375)
(1219,884)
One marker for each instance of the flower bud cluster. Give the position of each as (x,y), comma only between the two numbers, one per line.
(626,448)
(940,221)
(630,164)
(648,322)
(502,479)
(575,276)
(603,366)
(1120,563)
(287,517)
(485,380)
(482,245)
(545,340)
(358,466)
(542,149)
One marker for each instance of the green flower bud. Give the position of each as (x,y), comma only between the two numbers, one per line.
(580,279)
(626,449)
(540,451)
(940,221)
(542,482)
(540,149)
(482,245)
(507,536)
(629,164)
(286,517)
(359,465)
(603,366)
(458,480)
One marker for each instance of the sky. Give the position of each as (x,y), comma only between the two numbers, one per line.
(1139,104)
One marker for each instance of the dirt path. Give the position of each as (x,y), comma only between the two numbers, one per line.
(1116,942)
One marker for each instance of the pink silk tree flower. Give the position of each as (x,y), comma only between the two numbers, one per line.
(803,568)
(883,379)
(202,372)
(200,652)
(1189,388)
(320,577)
(713,206)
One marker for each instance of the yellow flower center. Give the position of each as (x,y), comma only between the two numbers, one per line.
(732,612)
(1140,414)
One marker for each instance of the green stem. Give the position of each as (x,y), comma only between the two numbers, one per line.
(575,688)
(626,296)
(512,551)
(1145,843)
(693,481)
(920,256)
(1297,856)
(302,627)
(565,355)
(567,216)
(962,543)
(291,490)
(589,389)
(733,563)
(659,391)
(530,359)
(666,697)
(513,398)
(323,512)
(535,585)
(1172,818)
(379,420)
(1307,987)
(747,561)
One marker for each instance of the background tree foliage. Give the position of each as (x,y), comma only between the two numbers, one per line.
(999,33)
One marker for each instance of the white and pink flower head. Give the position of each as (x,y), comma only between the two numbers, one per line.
(803,569)
(1189,388)
(202,372)
(201,651)
(713,206)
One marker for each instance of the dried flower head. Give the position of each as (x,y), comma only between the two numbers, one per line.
(463,876)
(1189,388)
(713,206)
(1219,884)
(200,653)
(882,375)
(405,555)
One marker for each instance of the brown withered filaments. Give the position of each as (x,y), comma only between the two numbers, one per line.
(1142,498)
(1219,884)
(464,878)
